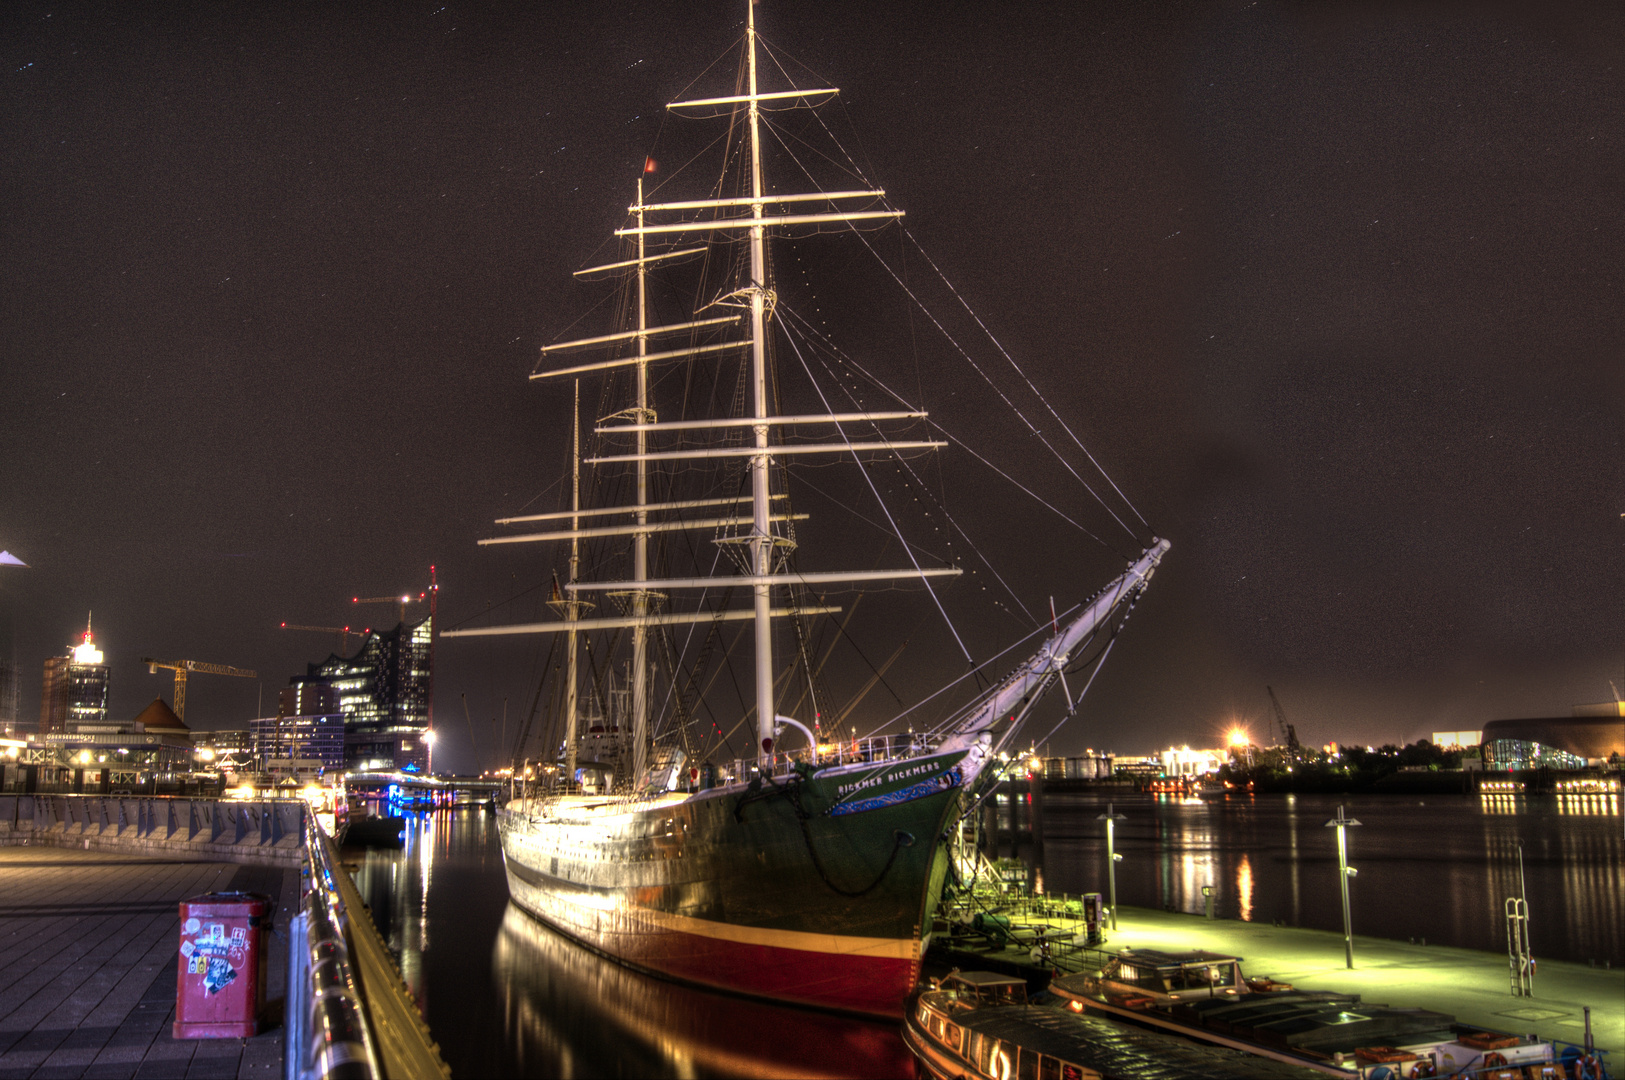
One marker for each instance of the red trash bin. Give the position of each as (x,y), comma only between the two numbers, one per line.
(221,981)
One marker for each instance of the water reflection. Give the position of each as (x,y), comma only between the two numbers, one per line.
(1439,867)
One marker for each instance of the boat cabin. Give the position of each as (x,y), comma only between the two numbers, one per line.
(980,989)
(1166,978)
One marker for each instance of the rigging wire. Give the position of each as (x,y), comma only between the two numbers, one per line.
(858,171)
(907,550)
(1032,428)
(997,344)
(946,513)
(956,440)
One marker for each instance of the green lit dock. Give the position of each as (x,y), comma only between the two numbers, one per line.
(1471,985)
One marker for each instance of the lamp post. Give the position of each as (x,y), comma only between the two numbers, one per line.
(428,741)
(1344,871)
(1112,857)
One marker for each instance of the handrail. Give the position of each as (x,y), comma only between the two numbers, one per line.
(330,1039)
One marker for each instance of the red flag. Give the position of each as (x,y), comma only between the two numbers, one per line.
(650,165)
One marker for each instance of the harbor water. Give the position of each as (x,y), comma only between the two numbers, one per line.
(505,996)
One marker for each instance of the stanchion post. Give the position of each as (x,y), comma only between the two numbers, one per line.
(1112,858)
(1344,871)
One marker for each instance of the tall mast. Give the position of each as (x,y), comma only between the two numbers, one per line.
(761,539)
(572,609)
(640,539)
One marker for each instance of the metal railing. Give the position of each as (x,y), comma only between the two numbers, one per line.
(350,1017)
(327,1034)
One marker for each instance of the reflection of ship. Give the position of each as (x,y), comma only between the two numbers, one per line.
(809,877)
(548,981)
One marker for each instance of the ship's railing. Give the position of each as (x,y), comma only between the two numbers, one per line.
(856,751)
(532,795)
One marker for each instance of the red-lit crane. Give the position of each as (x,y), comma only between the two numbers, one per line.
(399,601)
(343,633)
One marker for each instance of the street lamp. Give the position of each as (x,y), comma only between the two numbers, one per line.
(1112,857)
(428,741)
(1344,872)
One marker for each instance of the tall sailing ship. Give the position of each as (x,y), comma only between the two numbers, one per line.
(808,875)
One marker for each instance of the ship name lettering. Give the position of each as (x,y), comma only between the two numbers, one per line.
(901,774)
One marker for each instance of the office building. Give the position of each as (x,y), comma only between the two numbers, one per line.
(382,694)
(75,690)
(318,737)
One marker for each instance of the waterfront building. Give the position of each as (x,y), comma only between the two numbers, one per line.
(1457,740)
(320,738)
(1184,761)
(112,756)
(1593,736)
(382,693)
(75,690)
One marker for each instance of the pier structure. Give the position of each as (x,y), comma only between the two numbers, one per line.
(1033,937)
(90,892)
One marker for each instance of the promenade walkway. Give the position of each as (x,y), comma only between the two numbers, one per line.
(88,946)
(1468,984)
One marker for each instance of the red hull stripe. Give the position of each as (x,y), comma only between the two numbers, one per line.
(852,981)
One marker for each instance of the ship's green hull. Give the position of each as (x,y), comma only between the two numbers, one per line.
(817,890)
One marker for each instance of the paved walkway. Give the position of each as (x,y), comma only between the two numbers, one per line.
(1468,984)
(88,944)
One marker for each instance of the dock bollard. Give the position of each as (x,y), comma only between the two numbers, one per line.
(1207,900)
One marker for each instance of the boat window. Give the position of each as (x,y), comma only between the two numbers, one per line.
(1049,1069)
(953,1037)
(1027,1065)
(1202,977)
(973,1049)
(1071,1072)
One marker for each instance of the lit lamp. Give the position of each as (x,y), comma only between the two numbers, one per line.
(428,740)
(1344,872)
(1112,857)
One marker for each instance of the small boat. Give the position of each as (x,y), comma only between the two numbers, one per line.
(980,1024)
(1203,995)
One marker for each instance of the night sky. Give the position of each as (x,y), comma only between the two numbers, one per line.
(1333,291)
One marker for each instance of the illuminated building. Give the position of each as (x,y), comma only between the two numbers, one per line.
(75,692)
(1590,737)
(319,737)
(383,695)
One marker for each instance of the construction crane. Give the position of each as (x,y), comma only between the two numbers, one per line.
(183,668)
(398,601)
(343,633)
(1289,735)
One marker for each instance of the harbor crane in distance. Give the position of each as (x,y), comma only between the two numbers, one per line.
(183,668)
(399,601)
(1289,734)
(344,633)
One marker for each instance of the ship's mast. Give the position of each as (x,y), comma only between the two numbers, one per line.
(572,610)
(640,539)
(761,544)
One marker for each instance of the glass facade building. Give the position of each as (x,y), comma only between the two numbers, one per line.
(319,737)
(383,695)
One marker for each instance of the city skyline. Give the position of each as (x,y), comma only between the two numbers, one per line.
(1334,296)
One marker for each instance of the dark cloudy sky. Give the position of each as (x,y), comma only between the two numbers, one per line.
(1333,290)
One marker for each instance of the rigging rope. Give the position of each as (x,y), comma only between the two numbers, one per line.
(931,315)
(841,430)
